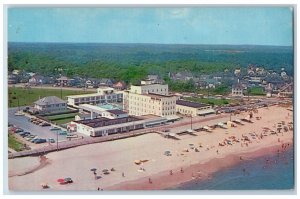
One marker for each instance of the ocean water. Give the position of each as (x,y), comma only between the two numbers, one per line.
(272,172)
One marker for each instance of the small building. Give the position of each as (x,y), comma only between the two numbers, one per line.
(237,90)
(83,116)
(106,82)
(114,114)
(50,104)
(12,79)
(37,80)
(237,71)
(119,85)
(193,109)
(104,126)
(64,81)
(111,112)
(103,95)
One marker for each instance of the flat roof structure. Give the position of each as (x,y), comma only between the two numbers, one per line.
(154,95)
(84,95)
(191,104)
(116,112)
(102,121)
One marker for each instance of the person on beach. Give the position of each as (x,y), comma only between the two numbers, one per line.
(150,181)
(171,172)
(241,158)
(123,175)
(181,170)
(98,189)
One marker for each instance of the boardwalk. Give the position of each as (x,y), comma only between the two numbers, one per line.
(93,140)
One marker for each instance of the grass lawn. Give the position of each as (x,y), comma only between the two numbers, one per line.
(28,96)
(256,91)
(64,121)
(209,101)
(13,143)
(63,118)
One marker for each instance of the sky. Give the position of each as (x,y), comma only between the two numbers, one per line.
(198,25)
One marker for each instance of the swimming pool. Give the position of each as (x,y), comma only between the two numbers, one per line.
(110,106)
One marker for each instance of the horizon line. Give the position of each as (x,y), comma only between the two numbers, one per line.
(55,42)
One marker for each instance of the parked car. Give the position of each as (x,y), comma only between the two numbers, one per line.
(34,139)
(24,134)
(51,140)
(71,136)
(44,124)
(30,137)
(39,141)
(19,130)
(55,129)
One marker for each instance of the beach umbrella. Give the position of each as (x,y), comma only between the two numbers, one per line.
(93,169)
(60,180)
(105,170)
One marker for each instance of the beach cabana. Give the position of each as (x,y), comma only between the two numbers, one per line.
(207,128)
(230,124)
(220,124)
(137,162)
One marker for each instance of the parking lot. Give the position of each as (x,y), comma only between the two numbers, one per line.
(24,123)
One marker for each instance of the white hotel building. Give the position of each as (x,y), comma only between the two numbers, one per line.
(103,95)
(150,99)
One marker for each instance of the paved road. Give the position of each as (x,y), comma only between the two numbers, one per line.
(22,122)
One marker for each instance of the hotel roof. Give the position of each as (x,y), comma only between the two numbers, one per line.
(85,95)
(154,95)
(191,104)
(102,121)
(116,112)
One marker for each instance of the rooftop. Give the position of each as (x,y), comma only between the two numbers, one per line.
(102,121)
(116,112)
(238,86)
(191,104)
(49,100)
(154,95)
(84,95)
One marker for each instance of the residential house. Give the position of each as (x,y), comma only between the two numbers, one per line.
(12,79)
(64,81)
(237,71)
(92,83)
(106,82)
(120,85)
(50,104)
(237,90)
(37,80)
(16,72)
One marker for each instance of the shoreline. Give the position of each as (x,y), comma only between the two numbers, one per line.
(201,171)
(198,155)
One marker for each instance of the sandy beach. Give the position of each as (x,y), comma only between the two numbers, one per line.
(27,174)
